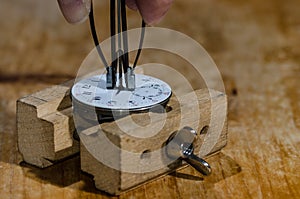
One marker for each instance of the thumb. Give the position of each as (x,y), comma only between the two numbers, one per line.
(75,11)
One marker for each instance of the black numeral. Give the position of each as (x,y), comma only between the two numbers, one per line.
(87,86)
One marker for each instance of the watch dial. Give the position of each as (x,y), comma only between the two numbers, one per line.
(149,92)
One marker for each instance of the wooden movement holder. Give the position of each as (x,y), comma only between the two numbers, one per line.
(45,135)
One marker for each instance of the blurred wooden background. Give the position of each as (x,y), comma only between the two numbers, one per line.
(256,45)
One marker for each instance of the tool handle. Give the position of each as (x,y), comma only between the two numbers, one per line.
(198,163)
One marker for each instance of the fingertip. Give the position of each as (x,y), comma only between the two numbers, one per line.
(153,11)
(151,21)
(75,11)
(131,4)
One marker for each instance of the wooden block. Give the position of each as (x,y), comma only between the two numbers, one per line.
(133,153)
(45,126)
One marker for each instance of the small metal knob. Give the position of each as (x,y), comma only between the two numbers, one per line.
(180,145)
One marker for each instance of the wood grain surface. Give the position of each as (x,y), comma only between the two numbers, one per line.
(256,47)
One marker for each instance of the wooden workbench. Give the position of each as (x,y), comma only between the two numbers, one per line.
(256,47)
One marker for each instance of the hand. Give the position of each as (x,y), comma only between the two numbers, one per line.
(152,11)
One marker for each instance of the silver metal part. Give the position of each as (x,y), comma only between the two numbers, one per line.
(130,79)
(181,146)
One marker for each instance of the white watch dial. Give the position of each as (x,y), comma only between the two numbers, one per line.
(149,92)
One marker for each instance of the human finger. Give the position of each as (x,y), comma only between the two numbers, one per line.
(153,11)
(131,4)
(75,11)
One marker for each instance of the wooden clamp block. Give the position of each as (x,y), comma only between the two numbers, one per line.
(45,128)
(136,155)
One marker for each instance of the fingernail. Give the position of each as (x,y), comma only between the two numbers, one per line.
(75,11)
